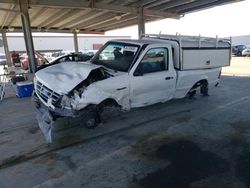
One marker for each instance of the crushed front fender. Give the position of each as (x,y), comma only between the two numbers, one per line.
(53,122)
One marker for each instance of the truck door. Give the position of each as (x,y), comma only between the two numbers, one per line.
(152,78)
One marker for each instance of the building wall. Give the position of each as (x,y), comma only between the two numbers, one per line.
(59,42)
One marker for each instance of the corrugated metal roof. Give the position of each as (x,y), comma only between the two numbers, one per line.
(96,16)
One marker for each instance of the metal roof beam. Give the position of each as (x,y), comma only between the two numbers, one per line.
(206,5)
(96,20)
(77,19)
(35,16)
(60,18)
(150,3)
(115,18)
(196,4)
(143,3)
(111,25)
(14,18)
(128,22)
(12,7)
(121,25)
(54,18)
(77,23)
(191,5)
(81,4)
(114,22)
(55,30)
(171,4)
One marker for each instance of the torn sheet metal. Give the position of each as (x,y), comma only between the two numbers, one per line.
(45,122)
(47,118)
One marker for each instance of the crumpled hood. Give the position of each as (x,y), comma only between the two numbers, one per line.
(63,77)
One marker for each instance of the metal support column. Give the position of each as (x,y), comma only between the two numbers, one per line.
(6,48)
(75,42)
(141,23)
(23,5)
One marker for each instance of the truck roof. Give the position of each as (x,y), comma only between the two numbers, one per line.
(137,42)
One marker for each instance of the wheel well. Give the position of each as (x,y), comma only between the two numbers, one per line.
(199,83)
(109,102)
(99,107)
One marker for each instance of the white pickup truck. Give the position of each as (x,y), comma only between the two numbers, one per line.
(129,74)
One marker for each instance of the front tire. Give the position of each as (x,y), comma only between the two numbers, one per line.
(91,120)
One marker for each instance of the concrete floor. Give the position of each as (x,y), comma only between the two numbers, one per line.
(199,143)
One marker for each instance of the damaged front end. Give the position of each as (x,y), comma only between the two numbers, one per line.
(51,105)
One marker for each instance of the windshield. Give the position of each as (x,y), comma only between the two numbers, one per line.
(117,56)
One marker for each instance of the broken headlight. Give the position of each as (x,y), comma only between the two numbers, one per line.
(65,102)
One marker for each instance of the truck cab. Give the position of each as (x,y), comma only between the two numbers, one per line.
(152,77)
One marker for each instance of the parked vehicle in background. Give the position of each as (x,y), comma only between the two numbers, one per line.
(246,52)
(237,50)
(40,60)
(89,52)
(137,73)
(3,60)
(73,57)
(16,59)
(61,53)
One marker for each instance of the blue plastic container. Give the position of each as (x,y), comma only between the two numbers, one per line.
(24,89)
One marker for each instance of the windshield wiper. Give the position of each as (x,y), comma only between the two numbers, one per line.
(109,67)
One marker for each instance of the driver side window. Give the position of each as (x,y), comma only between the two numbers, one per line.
(155,60)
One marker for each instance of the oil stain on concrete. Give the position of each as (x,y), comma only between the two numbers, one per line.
(241,125)
(242,168)
(188,163)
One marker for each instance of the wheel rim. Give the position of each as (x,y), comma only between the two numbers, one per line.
(91,122)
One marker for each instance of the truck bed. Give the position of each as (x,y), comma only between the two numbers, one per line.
(186,79)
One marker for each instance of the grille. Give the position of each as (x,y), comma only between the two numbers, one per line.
(45,93)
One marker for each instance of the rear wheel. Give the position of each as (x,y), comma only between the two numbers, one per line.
(204,88)
(203,85)
(191,94)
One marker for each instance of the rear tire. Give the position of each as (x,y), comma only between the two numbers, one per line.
(204,88)
(191,94)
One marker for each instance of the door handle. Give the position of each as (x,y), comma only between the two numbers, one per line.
(122,88)
(168,78)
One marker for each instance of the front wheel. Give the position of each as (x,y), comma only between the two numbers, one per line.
(91,120)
